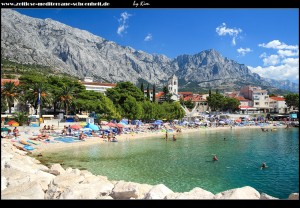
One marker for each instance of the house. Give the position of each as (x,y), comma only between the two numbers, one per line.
(278,105)
(259,97)
(96,86)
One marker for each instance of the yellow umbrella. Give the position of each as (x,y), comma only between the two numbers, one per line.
(82,124)
(15,124)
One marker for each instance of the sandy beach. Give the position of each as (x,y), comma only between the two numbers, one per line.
(58,146)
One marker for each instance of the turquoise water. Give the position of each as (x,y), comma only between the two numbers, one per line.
(187,163)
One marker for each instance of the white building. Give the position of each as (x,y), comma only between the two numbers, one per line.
(278,105)
(96,86)
(173,87)
(259,97)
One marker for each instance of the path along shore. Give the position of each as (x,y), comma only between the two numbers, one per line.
(24,177)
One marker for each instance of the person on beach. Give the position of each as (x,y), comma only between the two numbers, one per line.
(174,137)
(16,132)
(215,158)
(70,130)
(166,136)
(81,136)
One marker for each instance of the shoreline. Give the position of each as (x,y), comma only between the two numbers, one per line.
(52,147)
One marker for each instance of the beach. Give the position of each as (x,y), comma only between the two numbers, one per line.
(49,147)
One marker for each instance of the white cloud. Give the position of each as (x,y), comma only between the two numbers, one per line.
(243,51)
(284,53)
(123,23)
(271,60)
(148,37)
(289,69)
(222,30)
(276,44)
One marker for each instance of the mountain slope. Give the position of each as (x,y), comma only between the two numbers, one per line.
(78,52)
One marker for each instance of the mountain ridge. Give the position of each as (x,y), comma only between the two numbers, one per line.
(78,52)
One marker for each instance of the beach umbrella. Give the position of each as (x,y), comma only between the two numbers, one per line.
(105,127)
(92,126)
(86,129)
(111,124)
(104,122)
(15,124)
(83,124)
(11,122)
(75,126)
(4,129)
(120,125)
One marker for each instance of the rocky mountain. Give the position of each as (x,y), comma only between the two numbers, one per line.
(77,52)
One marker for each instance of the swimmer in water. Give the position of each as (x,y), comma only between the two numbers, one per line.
(263,166)
(215,158)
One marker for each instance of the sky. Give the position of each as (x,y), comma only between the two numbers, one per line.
(265,40)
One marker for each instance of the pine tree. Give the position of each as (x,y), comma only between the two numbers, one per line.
(153,91)
(148,92)
(142,87)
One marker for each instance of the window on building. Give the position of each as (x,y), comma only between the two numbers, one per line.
(256,103)
(266,103)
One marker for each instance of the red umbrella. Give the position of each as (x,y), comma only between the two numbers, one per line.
(76,126)
(11,122)
(120,125)
(111,124)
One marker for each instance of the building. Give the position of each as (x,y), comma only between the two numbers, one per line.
(150,92)
(259,97)
(278,105)
(96,86)
(173,87)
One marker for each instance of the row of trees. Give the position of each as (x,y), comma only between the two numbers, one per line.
(61,92)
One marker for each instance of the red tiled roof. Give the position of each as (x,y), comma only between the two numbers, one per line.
(16,81)
(277,98)
(240,98)
(159,94)
(185,93)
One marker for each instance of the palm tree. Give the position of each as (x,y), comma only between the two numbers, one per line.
(33,94)
(9,93)
(66,97)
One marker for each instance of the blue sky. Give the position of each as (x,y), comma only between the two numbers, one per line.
(266,40)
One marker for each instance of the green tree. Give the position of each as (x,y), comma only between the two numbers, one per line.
(3,106)
(148,92)
(189,104)
(148,111)
(21,117)
(215,101)
(142,87)
(292,100)
(167,95)
(9,93)
(66,97)
(132,109)
(230,104)
(153,93)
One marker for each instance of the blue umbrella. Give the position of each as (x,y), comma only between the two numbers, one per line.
(92,126)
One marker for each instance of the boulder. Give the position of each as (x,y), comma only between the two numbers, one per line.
(31,190)
(87,191)
(60,183)
(127,190)
(245,192)
(196,193)
(159,191)
(294,196)
(264,196)
(58,168)
(3,183)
